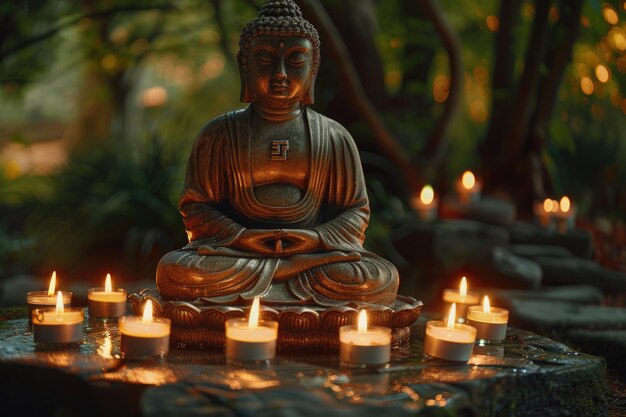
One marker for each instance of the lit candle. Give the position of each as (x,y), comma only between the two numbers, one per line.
(449,340)
(565,215)
(426,204)
(46,299)
(490,322)
(468,188)
(363,345)
(145,336)
(543,212)
(57,325)
(462,298)
(252,339)
(106,302)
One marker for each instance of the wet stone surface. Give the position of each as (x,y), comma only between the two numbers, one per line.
(527,375)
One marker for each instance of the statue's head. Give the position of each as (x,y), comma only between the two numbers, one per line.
(279,56)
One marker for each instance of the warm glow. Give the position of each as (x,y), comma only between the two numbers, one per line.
(602,73)
(108,287)
(468,180)
(492,22)
(547,205)
(60,308)
(463,287)
(586,85)
(620,40)
(452,317)
(147,312)
(610,15)
(486,305)
(362,324)
(53,283)
(253,321)
(154,97)
(427,195)
(565,204)
(555,206)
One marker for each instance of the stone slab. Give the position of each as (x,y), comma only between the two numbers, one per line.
(610,344)
(486,210)
(527,375)
(556,318)
(568,271)
(581,294)
(578,241)
(501,269)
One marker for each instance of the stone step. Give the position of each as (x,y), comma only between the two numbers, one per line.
(581,294)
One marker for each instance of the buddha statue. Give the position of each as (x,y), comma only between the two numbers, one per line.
(274,202)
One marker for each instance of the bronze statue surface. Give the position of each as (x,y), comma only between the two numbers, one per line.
(274,203)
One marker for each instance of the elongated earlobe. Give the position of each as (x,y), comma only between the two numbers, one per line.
(309,99)
(245,95)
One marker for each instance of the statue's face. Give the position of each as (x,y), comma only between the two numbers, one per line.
(279,69)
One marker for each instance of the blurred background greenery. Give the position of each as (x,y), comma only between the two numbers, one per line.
(100,102)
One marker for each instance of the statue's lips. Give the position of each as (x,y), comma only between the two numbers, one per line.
(280,86)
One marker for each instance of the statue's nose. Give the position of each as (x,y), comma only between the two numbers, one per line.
(279,71)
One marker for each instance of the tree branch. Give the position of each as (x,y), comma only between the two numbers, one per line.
(353,88)
(219,18)
(528,82)
(437,144)
(72,21)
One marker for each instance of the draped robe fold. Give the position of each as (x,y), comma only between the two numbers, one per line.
(218,203)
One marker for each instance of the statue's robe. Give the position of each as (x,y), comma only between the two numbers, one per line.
(218,203)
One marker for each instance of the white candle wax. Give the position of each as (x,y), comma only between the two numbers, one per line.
(462,301)
(453,344)
(490,325)
(50,326)
(144,338)
(251,343)
(104,303)
(369,347)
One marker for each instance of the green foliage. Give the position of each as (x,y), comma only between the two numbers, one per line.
(112,207)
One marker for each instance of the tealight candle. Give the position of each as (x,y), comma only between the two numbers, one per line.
(251,340)
(462,298)
(145,336)
(490,322)
(363,345)
(468,188)
(544,212)
(57,325)
(565,215)
(106,302)
(449,340)
(426,204)
(46,299)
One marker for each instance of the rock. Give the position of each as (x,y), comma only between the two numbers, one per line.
(447,245)
(486,210)
(577,241)
(556,318)
(610,344)
(501,269)
(566,271)
(582,294)
(533,251)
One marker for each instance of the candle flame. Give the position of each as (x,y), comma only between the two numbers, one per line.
(468,180)
(565,204)
(108,287)
(253,321)
(463,287)
(60,307)
(427,195)
(147,312)
(452,317)
(362,324)
(486,305)
(547,205)
(53,284)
